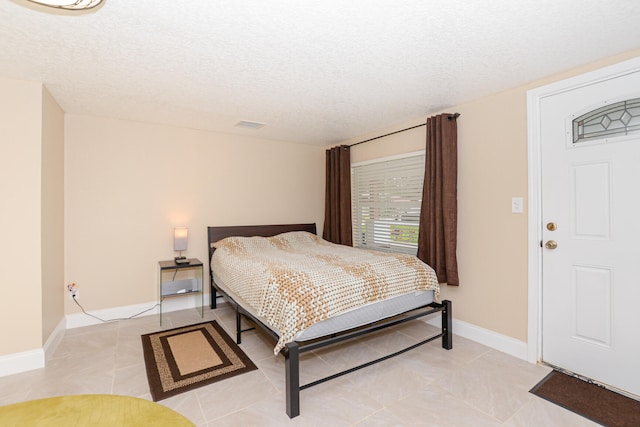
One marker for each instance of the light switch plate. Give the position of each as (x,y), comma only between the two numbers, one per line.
(517,204)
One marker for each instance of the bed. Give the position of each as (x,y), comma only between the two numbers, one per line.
(350,312)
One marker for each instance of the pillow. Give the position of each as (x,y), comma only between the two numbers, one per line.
(291,239)
(235,242)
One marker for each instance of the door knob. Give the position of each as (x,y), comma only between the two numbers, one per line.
(551,244)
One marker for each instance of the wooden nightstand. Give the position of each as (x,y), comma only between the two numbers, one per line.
(179,288)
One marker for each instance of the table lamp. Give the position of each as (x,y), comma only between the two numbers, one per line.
(180,238)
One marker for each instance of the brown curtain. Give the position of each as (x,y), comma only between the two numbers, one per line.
(337,205)
(439,215)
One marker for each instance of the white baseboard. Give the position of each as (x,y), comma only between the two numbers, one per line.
(21,362)
(79,320)
(486,337)
(35,359)
(54,339)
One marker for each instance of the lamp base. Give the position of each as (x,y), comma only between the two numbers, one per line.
(180,257)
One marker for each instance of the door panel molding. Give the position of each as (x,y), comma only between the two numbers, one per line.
(591,184)
(591,310)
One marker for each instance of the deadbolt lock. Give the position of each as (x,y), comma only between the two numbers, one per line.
(552,226)
(551,244)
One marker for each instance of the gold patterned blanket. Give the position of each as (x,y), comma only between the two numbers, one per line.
(296,279)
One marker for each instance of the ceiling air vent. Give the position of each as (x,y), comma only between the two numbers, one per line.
(249,125)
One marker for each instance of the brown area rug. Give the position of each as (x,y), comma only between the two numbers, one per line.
(185,358)
(589,400)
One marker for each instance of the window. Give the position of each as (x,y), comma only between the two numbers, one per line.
(619,118)
(386,196)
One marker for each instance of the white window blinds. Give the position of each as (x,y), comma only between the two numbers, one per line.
(386,199)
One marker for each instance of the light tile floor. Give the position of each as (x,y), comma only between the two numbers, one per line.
(470,385)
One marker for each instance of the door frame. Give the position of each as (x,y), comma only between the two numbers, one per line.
(534,98)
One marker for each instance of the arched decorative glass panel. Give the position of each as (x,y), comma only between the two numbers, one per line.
(619,118)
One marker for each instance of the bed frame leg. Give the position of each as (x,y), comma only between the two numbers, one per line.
(447,338)
(212,291)
(292,378)
(238,327)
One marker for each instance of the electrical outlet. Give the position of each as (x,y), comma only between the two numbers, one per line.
(73,290)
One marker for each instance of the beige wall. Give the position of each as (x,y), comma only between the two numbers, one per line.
(52,215)
(127,184)
(20,184)
(492,168)
(492,242)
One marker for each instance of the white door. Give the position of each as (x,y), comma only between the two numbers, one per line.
(590,187)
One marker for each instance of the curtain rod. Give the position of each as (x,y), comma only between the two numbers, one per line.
(450,117)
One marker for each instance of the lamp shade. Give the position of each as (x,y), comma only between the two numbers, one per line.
(180,238)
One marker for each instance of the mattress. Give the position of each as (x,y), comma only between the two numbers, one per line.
(351,319)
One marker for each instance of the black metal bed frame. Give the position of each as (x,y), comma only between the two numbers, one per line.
(292,350)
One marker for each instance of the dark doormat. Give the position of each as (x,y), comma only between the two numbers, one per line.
(184,358)
(589,400)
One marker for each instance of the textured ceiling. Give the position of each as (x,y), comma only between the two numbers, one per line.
(315,72)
